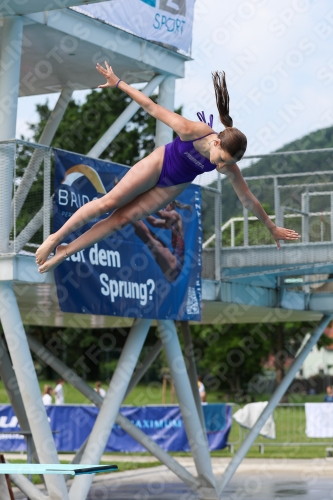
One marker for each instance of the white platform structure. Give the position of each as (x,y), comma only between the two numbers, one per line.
(28,298)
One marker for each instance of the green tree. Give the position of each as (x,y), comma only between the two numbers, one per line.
(84,123)
(234,354)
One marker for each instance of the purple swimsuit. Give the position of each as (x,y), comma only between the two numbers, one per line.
(182,162)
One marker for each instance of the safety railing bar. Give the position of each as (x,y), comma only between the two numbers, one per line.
(207,188)
(302,283)
(295,268)
(320,193)
(294,210)
(33,145)
(281,176)
(288,186)
(253,218)
(288,153)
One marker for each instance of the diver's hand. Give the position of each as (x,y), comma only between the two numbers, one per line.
(107,72)
(280,233)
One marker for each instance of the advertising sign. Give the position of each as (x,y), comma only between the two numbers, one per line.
(72,425)
(148,269)
(165,21)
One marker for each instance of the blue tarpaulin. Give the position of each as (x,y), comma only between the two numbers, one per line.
(163,424)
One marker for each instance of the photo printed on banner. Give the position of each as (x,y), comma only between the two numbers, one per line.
(150,268)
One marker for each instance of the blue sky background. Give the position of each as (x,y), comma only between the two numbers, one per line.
(278,59)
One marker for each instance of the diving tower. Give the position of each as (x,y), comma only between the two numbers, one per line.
(244,283)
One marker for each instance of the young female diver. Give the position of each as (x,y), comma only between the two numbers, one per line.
(158,179)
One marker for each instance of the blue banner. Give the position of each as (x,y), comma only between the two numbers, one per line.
(149,269)
(72,425)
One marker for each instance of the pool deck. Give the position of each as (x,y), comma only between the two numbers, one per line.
(261,479)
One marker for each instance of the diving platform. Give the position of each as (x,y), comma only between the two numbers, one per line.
(234,299)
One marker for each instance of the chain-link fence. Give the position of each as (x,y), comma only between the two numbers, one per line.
(30,214)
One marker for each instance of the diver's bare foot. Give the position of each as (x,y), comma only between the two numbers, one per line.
(45,249)
(60,256)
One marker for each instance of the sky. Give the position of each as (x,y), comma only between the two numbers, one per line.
(278,59)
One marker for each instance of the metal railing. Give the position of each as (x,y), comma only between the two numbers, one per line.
(290,426)
(305,206)
(30,214)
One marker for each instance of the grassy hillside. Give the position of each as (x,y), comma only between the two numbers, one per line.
(231,206)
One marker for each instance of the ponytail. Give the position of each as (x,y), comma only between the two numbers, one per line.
(222,98)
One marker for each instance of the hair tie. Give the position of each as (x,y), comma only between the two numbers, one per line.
(202,118)
(120,80)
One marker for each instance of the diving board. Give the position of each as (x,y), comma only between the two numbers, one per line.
(72,469)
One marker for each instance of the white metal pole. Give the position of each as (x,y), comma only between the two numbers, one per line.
(277,201)
(111,404)
(10,62)
(121,121)
(192,369)
(146,363)
(4,493)
(29,388)
(77,382)
(218,224)
(331,216)
(166,98)
(30,229)
(274,401)
(194,430)
(47,203)
(246,227)
(9,380)
(27,487)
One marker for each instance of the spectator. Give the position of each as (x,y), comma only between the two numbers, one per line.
(329,396)
(99,389)
(202,390)
(59,392)
(47,395)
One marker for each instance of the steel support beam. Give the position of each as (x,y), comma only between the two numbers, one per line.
(24,485)
(274,401)
(194,430)
(72,378)
(166,98)
(146,363)
(9,380)
(27,233)
(137,375)
(32,169)
(4,493)
(10,62)
(122,119)
(332,217)
(111,404)
(12,7)
(192,369)
(29,388)
(218,228)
